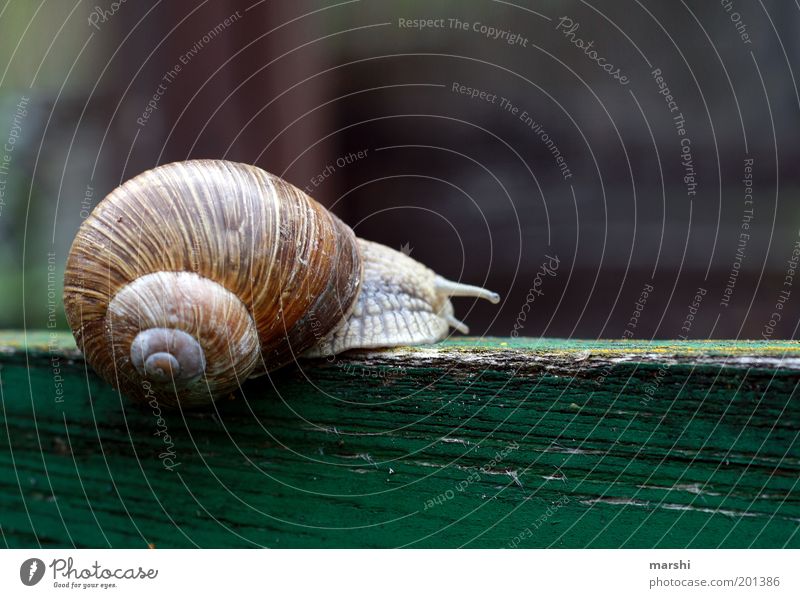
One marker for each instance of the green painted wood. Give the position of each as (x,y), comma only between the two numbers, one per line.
(479,443)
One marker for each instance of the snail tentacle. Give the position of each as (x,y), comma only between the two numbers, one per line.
(457,324)
(457,289)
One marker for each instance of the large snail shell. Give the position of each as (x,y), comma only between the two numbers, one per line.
(193,276)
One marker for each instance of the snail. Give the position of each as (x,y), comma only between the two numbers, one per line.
(194,276)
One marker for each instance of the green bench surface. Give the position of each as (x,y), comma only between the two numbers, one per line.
(472,442)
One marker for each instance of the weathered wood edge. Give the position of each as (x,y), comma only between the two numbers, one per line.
(519,354)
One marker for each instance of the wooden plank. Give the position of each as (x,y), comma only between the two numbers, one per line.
(479,443)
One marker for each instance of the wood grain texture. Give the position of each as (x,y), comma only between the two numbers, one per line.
(480,443)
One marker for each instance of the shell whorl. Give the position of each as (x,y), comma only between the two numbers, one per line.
(183,333)
(205,266)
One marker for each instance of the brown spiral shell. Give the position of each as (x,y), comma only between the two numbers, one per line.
(221,252)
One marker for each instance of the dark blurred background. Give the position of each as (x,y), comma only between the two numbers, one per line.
(89,96)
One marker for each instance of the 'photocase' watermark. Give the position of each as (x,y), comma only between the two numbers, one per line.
(748,213)
(103,14)
(475,476)
(527,533)
(171,75)
(568,28)
(736,19)
(507,106)
(87,201)
(549,268)
(638,309)
(784,294)
(168,455)
(679,121)
(485,30)
(10,145)
(52,323)
(341,162)
(691,313)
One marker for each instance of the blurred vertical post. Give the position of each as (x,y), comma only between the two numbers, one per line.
(241,82)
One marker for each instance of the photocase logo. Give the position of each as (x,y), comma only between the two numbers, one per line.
(31,572)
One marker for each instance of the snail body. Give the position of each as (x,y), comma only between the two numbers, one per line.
(194,276)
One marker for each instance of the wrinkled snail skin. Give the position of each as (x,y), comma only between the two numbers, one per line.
(194,276)
(401,302)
